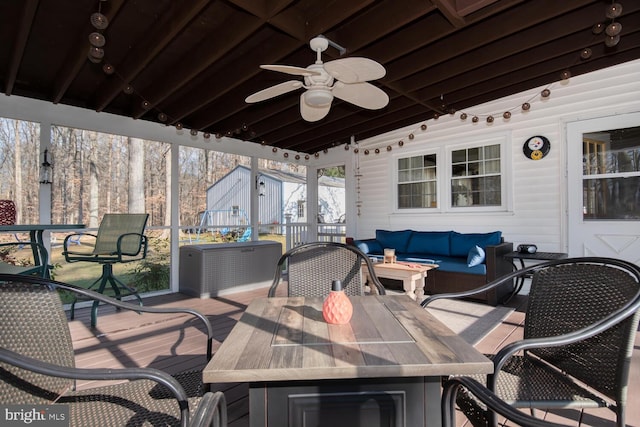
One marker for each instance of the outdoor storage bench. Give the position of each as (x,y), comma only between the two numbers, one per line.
(465,260)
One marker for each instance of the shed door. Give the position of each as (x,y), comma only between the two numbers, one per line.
(604,187)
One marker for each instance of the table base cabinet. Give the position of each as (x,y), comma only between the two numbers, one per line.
(217,269)
(379,402)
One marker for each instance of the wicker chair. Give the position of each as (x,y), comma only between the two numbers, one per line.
(313,266)
(472,387)
(120,239)
(580,326)
(37,365)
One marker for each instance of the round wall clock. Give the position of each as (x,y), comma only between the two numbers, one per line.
(536,147)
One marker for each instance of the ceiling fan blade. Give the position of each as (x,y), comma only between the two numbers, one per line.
(355,70)
(363,95)
(290,69)
(273,91)
(311,113)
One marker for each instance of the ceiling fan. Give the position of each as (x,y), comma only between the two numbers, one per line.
(345,79)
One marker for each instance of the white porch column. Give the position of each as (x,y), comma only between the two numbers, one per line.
(254,215)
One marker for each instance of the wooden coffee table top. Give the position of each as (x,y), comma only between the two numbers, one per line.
(402,266)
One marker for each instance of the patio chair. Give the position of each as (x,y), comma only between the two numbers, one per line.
(120,239)
(313,266)
(453,386)
(37,365)
(579,331)
(36,264)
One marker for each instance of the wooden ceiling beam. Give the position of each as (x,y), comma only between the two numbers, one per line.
(570,35)
(489,30)
(386,18)
(565,55)
(153,44)
(198,60)
(26,20)
(264,9)
(449,9)
(196,99)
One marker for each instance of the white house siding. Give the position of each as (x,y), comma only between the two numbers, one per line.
(537,190)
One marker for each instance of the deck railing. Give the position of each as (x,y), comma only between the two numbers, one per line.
(297,233)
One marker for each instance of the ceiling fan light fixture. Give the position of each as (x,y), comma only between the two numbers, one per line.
(318,97)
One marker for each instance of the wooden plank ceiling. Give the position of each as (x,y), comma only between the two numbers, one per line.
(191,63)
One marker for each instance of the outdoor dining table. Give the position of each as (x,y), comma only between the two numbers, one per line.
(383,368)
(36,233)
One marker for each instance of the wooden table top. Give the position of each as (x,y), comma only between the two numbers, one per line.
(284,339)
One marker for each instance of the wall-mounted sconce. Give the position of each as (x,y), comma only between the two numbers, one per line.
(46,169)
(260,185)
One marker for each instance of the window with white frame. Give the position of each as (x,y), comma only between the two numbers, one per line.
(476,176)
(417,182)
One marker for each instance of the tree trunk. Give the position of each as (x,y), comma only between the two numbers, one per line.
(136,176)
(17,170)
(167,199)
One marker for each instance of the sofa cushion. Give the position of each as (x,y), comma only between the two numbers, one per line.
(397,240)
(448,263)
(429,242)
(461,243)
(459,265)
(476,256)
(368,246)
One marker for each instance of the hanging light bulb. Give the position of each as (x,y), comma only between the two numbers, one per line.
(611,41)
(613,29)
(108,69)
(96,39)
(614,10)
(99,21)
(96,54)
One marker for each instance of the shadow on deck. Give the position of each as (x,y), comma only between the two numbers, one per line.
(161,341)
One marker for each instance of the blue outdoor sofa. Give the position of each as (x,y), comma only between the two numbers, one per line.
(466,260)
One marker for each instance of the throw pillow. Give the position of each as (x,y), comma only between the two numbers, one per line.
(475,257)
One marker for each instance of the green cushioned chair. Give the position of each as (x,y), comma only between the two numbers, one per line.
(120,239)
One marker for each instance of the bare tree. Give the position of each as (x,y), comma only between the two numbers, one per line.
(136,175)
(17,171)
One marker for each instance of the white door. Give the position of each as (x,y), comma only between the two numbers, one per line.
(603,176)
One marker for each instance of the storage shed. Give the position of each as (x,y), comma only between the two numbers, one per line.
(284,193)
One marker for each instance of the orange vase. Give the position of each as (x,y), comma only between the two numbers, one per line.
(337,308)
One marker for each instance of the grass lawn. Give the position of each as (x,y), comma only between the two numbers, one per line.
(154,271)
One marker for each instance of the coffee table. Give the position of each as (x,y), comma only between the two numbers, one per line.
(412,276)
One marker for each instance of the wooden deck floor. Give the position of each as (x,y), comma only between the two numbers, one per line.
(161,341)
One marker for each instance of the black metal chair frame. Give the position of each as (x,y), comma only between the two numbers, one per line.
(312,253)
(181,388)
(577,350)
